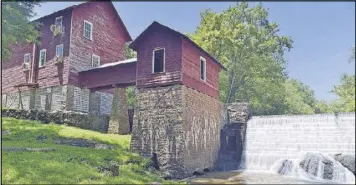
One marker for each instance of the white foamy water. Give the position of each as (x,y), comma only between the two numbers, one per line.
(272,139)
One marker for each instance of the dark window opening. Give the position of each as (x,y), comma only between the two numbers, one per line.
(154,160)
(158,61)
(202,69)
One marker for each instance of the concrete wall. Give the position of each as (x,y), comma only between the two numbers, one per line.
(171,121)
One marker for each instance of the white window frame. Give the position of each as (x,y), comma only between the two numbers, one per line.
(204,72)
(60,17)
(60,45)
(92,57)
(91,29)
(39,58)
(29,59)
(164,60)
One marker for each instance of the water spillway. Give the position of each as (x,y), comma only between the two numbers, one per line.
(272,140)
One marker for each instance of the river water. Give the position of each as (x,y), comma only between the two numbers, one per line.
(251,177)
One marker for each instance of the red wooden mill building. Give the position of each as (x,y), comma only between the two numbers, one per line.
(81,67)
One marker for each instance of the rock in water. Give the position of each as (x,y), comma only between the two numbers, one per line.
(310,163)
(328,168)
(286,167)
(323,166)
(318,165)
(348,161)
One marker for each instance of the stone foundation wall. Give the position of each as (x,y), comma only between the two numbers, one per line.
(202,117)
(158,126)
(232,136)
(80,99)
(119,120)
(60,98)
(180,125)
(106,100)
(91,122)
(11,100)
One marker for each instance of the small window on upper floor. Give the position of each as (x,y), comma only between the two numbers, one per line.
(26,61)
(158,60)
(88,30)
(58,21)
(59,50)
(202,68)
(42,60)
(95,60)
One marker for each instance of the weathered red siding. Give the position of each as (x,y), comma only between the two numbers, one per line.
(159,37)
(50,74)
(108,37)
(103,78)
(12,71)
(191,70)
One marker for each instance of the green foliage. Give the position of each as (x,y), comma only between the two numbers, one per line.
(322,107)
(352,57)
(300,98)
(248,45)
(346,94)
(68,164)
(345,91)
(129,53)
(130,91)
(16,27)
(131,96)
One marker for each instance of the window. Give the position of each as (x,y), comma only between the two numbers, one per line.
(59,50)
(42,59)
(202,68)
(26,61)
(158,60)
(95,60)
(88,30)
(58,21)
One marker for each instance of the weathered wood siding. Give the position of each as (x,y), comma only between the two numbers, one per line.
(173,60)
(108,37)
(191,70)
(50,74)
(104,78)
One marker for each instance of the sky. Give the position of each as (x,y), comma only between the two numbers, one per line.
(323,33)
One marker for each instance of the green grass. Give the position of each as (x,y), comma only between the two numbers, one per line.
(68,164)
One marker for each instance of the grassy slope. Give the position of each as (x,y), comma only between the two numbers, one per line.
(68,164)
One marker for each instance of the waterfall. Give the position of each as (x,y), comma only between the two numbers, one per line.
(276,141)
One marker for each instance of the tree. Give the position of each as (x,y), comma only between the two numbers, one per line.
(322,107)
(346,94)
(345,91)
(130,91)
(352,57)
(16,26)
(301,99)
(248,45)
(129,53)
